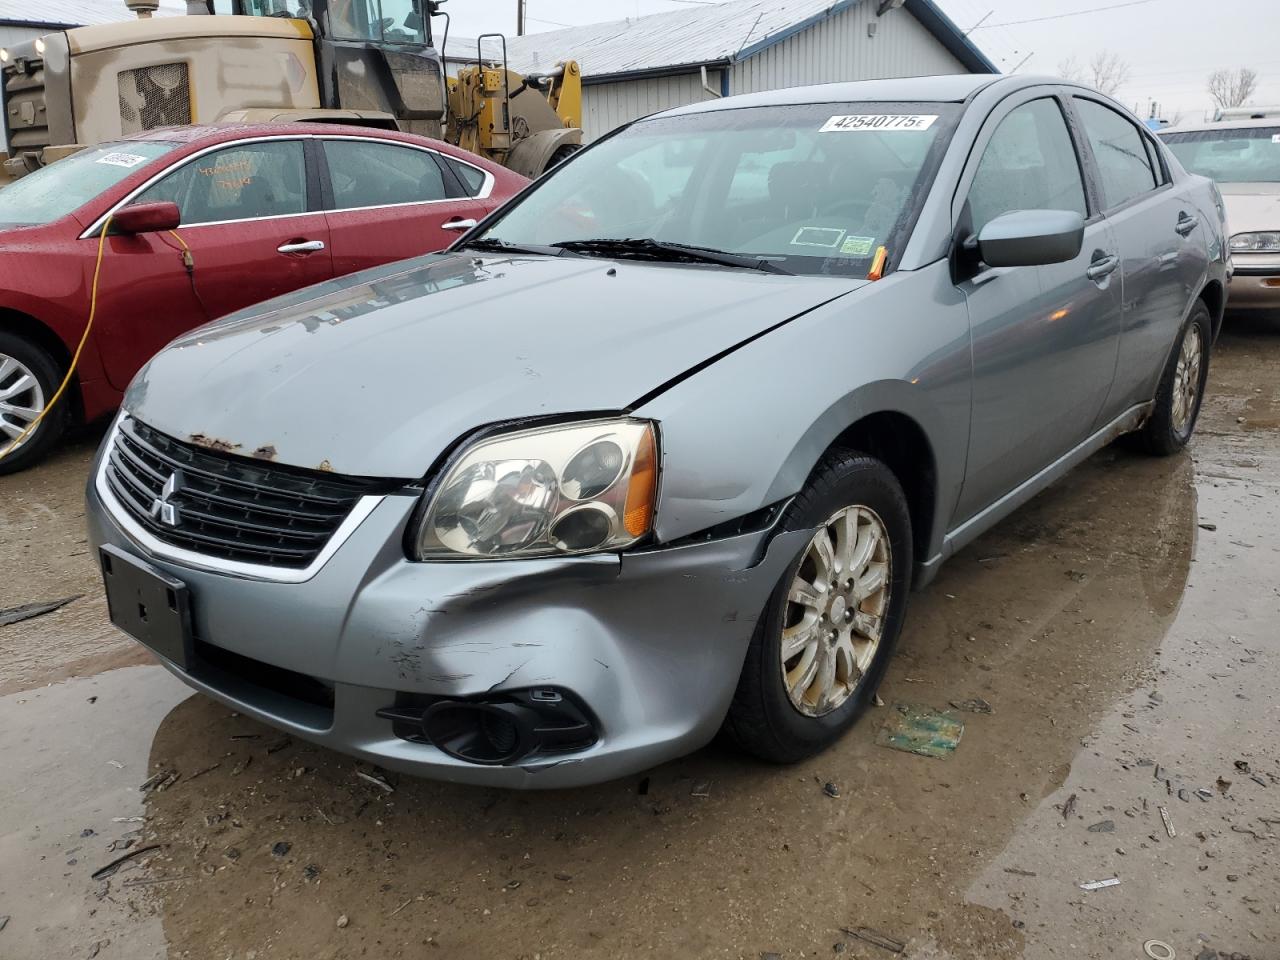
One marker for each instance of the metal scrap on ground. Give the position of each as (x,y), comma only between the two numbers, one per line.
(1099,884)
(29,611)
(919,729)
(877,938)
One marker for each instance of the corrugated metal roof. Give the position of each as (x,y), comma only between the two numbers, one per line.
(77,12)
(703,34)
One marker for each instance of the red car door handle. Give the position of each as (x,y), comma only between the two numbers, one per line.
(457,225)
(301,246)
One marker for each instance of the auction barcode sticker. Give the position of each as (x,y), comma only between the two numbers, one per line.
(879,121)
(121,159)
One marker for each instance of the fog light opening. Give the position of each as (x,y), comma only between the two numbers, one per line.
(475,732)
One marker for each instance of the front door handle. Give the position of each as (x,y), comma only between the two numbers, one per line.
(1102,267)
(301,246)
(458,225)
(1186,223)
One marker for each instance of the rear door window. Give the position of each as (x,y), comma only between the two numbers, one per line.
(1120,152)
(1028,164)
(365,173)
(471,178)
(243,182)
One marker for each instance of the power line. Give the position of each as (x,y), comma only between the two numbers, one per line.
(1060,16)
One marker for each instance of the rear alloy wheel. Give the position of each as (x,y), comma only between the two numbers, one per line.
(1181,390)
(28,380)
(822,646)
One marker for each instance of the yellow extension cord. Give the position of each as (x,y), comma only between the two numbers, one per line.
(93,309)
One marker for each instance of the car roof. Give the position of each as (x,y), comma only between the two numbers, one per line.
(1249,124)
(947,88)
(203,134)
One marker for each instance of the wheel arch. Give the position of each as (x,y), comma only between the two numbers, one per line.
(1214,295)
(43,336)
(901,443)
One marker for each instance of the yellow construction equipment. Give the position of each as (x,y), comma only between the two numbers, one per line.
(369,62)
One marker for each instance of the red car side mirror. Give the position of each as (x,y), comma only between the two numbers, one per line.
(146,218)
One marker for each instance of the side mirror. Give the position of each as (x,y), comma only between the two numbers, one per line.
(1029,238)
(146,218)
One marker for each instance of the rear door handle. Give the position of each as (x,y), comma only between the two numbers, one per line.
(1186,224)
(301,246)
(1102,267)
(458,225)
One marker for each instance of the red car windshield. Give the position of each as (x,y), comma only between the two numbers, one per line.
(54,191)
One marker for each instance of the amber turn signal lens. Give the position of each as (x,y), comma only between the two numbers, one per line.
(638,513)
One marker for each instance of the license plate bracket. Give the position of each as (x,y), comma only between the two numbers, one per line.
(148,604)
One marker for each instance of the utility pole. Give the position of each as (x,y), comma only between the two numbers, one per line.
(519,18)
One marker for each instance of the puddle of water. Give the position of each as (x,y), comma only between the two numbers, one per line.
(58,781)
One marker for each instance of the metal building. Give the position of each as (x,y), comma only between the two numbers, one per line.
(635,67)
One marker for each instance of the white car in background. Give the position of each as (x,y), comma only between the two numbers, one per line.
(1243,158)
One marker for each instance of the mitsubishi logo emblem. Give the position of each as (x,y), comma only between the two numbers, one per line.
(161,508)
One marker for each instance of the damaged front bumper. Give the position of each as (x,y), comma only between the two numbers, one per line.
(647,646)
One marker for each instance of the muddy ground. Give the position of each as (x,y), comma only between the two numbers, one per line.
(1123,628)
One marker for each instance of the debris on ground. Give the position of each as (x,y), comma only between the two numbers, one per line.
(876,938)
(1158,950)
(1209,526)
(118,862)
(277,745)
(1099,884)
(203,770)
(913,728)
(281,849)
(1019,873)
(342,921)
(1069,807)
(701,788)
(1168,822)
(1103,826)
(376,781)
(830,789)
(973,705)
(29,611)
(4,922)
(161,781)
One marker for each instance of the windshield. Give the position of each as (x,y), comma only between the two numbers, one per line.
(815,188)
(1248,155)
(56,190)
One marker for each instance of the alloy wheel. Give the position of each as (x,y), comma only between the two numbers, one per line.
(836,608)
(21,400)
(1186,379)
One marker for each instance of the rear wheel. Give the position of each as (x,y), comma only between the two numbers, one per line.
(819,652)
(29,377)
(1181,391)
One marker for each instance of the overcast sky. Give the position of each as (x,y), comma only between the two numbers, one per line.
(1170,45)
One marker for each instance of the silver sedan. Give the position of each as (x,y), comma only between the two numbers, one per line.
(659,449)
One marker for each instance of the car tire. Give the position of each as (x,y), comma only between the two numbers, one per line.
(1181,390)
(775,714)
(21,359)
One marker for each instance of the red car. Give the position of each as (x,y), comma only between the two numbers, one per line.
(263,210)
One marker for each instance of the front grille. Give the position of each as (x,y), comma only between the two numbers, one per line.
(155,96)
(225,506)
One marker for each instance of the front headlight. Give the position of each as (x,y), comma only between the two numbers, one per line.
(1268,242)
(549,491)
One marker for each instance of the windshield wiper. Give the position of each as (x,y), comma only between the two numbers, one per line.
(666,250)
(496,245)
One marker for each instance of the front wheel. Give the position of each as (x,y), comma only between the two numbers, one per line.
(820,650)
(29,378)
(1181,390)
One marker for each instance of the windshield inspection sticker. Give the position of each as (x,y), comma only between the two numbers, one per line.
(817,237)
(878,122)
(857,246)
(121,159)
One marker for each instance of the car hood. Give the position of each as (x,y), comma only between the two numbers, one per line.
(1251,207)
(377,373)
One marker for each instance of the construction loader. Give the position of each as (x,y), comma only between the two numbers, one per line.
(368,62)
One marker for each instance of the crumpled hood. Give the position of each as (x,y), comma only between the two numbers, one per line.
(1251,207)
(375,374)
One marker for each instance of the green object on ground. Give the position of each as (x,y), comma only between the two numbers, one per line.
(922,730)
